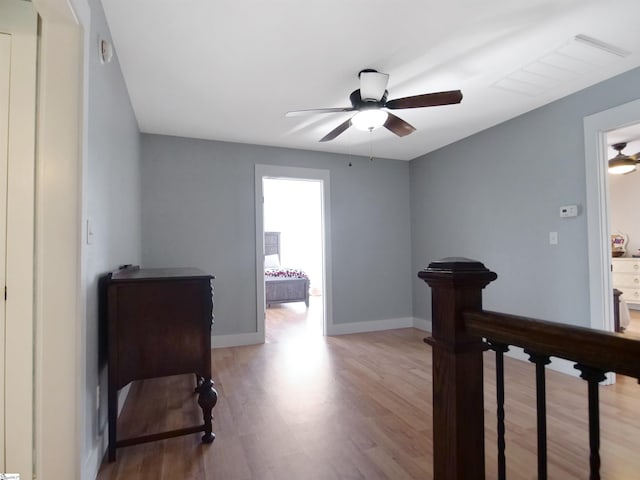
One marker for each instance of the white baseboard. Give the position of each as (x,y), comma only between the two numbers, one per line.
(221,341)
(422,324)
(94,459)
(92,463)
(370,326)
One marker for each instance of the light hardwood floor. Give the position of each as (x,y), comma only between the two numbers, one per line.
(304,406)
(634,324)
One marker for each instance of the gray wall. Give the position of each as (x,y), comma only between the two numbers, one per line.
(112,196)
(495,196)
(198,210)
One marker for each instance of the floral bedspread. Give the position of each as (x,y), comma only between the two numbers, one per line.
(285,273)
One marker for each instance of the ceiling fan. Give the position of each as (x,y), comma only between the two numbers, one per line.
(621,163)
(370,104)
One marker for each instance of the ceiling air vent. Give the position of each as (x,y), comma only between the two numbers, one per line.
(578,56)
(599,44)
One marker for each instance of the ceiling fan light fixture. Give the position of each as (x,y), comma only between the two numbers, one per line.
(373,84)
(369,105)
(370,119)
(621,165)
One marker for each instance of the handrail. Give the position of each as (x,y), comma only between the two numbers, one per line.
(459,329)
(607,351)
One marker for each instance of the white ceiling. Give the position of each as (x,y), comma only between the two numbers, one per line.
(230,70)
(629,135)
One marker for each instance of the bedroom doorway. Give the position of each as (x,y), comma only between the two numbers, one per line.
(292,250)
(596,128)
(624,228)
(293,258)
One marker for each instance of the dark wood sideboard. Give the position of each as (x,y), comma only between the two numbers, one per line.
(159,324)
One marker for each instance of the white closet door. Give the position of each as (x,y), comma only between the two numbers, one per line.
(5,59)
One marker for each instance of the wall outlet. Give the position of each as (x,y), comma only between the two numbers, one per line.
(569,211)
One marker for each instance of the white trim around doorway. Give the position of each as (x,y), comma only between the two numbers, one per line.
(596,127)
(18,23)
(276,171)
(60,340)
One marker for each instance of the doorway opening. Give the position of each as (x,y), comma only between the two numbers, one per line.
(293,274)
(293,258)
(624,230)
(596,127)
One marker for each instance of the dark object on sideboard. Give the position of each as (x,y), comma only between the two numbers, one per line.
(159,324)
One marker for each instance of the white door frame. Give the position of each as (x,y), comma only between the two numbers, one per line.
(596,127)
(19,21)
(284,172)
(60,378)
(5,75)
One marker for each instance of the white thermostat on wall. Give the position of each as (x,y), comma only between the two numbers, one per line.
(569,211)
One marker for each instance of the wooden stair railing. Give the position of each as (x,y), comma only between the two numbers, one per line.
(462,331)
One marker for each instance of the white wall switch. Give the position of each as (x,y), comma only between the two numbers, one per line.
(569,211)
(90,232)
(553,238)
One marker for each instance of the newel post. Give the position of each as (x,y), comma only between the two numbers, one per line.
(458,403)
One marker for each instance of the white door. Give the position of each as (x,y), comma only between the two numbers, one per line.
(5,56)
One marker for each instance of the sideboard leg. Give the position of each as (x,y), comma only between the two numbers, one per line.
(207,399)
(112,414)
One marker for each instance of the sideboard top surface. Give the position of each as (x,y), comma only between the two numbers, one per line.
(134,274)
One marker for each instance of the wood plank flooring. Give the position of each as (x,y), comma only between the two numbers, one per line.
(304,406)
(634,324)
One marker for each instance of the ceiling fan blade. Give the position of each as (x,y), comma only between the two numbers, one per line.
(373,85)
(336,131)
(426,100)
(299,113)
(398,126)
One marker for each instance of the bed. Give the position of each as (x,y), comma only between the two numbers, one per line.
(282,285)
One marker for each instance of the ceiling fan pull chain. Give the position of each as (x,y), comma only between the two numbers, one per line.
(370,145)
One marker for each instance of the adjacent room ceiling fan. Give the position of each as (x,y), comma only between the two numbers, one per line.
(621,163)
(370,104)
